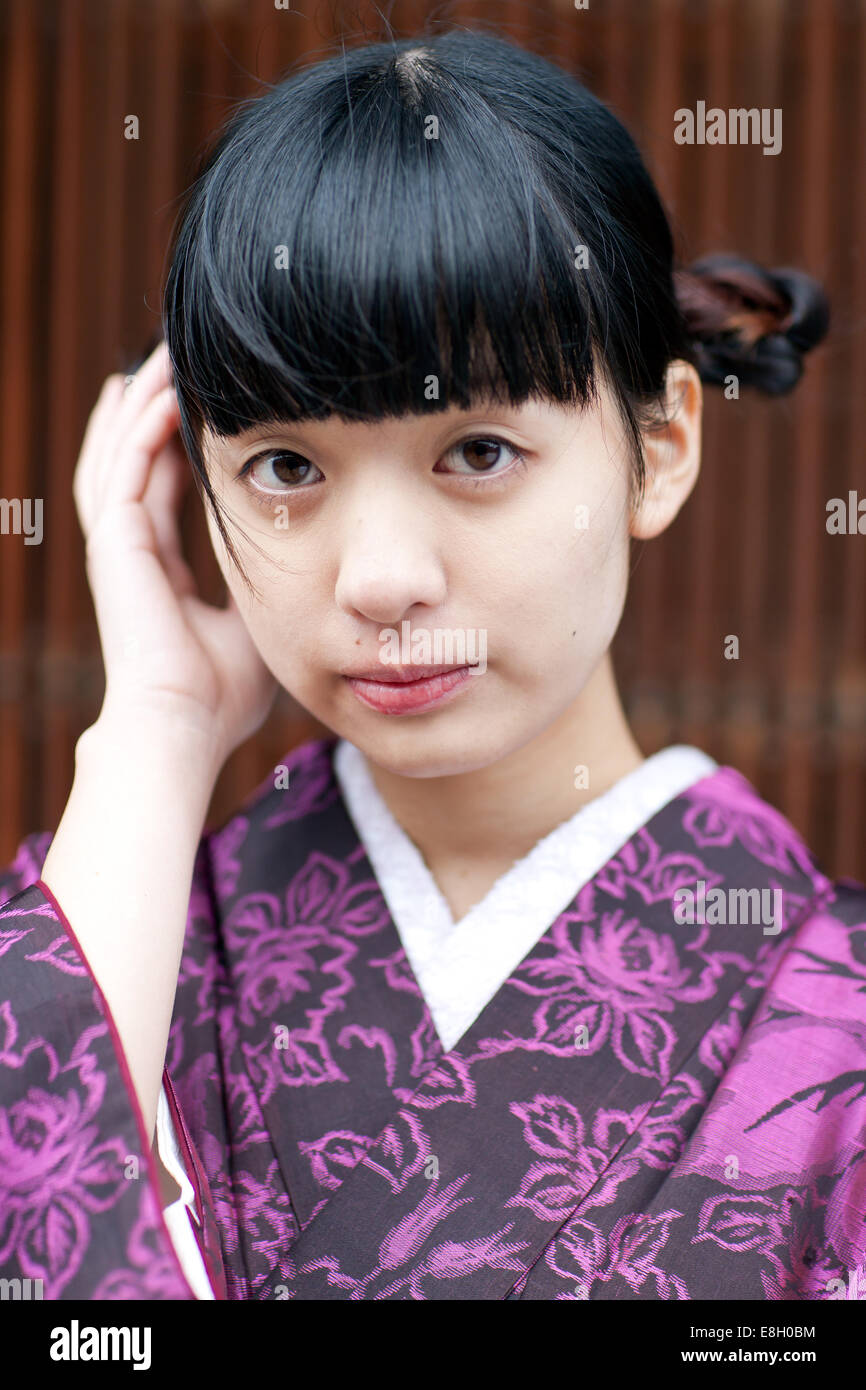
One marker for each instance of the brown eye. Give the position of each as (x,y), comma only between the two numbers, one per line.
(483,454)
(281,472)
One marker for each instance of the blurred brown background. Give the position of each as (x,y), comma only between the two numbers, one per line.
(86,218)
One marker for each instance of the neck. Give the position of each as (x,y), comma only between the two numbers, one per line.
(496,814)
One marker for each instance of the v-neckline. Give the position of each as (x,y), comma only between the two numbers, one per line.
(459,965)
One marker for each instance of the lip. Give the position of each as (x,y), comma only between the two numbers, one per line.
(400,675)
(409,689)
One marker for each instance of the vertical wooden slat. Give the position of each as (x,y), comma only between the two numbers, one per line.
(663,51)
(850,702)
(815,224)
(115,185)
(703,663)
(748,712)
(617,47)
(20,92)
(67,333)
(162,121)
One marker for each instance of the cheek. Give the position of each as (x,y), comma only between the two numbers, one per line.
(264,610)
(227,569)
(563,576)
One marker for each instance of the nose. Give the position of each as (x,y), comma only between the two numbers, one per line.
(389,560)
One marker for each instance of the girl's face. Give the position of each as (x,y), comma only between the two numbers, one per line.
(505,529)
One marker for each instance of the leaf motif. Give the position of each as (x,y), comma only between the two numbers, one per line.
(645,1045)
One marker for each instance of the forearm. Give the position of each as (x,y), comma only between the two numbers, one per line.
(120,867)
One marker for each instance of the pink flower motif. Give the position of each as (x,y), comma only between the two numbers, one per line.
(450,1259)
(363,911)
(578,1252)
(619,982)
(404,1240)
(123,1285)
(724,808)
(53,1175)
(398,972)
(455,1259)
(823,1281)
(662,1132)
(335,1155)
(401,1151)
(426,1050)
(552,1126)
(208,969)
(554,1129)
(742,1221)
(301,1057)
(633,1245)
(581,1254)
(549,1191)
(449,1080)
(656,877)
(265,1212)
(11,936)
(372,1038)
(302,951)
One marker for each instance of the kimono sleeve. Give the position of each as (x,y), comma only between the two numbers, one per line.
(80,1209)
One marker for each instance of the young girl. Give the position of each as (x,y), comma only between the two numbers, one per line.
(472,1000)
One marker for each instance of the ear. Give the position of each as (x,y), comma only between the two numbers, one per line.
(673,454)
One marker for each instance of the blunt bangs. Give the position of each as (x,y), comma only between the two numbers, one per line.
(335,260)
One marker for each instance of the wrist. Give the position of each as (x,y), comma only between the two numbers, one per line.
(181,746)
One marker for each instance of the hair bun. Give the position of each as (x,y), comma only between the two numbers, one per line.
(751,322)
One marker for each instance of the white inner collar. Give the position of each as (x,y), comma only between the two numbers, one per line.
(461,965)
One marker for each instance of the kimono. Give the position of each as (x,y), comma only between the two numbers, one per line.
(666,1099)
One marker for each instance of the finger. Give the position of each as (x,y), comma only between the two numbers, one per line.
(166,487)
(169,479)
(90,452)
(154,376)
(129,471)
(154,368)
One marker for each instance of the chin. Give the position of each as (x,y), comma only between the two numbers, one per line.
(415,747)
(437,762)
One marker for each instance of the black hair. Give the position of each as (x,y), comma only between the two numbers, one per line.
(451,208)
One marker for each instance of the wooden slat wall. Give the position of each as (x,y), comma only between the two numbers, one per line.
(86,219)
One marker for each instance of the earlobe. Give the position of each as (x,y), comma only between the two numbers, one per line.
(673,454)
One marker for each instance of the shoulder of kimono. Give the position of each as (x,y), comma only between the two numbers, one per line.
(726,797)
(290,798)
(24,870)
(305,771)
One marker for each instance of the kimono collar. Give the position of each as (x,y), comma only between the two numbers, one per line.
(460,966)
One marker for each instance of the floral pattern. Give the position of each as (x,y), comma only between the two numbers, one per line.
(645,1109)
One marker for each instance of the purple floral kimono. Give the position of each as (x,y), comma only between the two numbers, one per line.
(647,1109)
